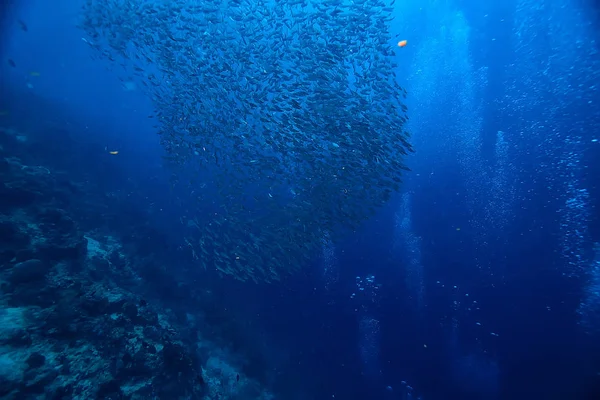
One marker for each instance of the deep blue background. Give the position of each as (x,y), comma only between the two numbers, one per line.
(311,334)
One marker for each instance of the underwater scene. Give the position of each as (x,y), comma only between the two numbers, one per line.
(300,199)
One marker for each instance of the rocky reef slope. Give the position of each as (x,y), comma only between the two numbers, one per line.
(74,323)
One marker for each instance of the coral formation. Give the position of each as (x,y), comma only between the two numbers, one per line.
(72,324)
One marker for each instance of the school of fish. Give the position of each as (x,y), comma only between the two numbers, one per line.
(282,120)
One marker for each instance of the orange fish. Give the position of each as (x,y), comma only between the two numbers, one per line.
(402,43)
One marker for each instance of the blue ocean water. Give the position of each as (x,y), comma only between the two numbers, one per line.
(132,266)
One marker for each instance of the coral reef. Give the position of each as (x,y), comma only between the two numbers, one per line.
(73,320)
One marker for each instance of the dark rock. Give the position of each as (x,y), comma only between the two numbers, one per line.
(151,332)
(95,306)
(127,359)
(135,366)
(7,386)
(35,383)
(8,232)
(64,247)
(36,360)
(62,324)
(176,359)
(24,254)
(11,197)
(12,240)
(28,271)
(57,218)
(130,310)
(98,268)
(109,390)
(34,293)
(116,305)
(148,317)
(63,392)
(65,366)
(117,260)
(17,338)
